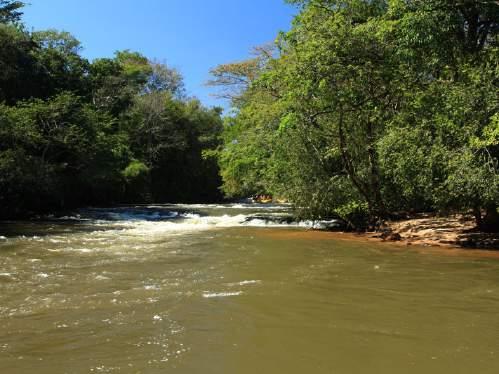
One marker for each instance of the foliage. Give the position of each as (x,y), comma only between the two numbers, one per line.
(10,11)
(165,79)
(390,105)
(19,70)
(75,132)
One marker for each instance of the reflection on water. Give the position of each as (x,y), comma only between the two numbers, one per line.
(234,289)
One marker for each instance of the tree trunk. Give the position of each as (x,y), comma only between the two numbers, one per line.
(370,189)
(477,212)
(490,222)
(379,205)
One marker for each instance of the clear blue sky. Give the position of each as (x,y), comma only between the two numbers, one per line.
(190,35)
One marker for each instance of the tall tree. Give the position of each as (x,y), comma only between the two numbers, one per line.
(10,11)
(19,69)
(234,79)
(359,83)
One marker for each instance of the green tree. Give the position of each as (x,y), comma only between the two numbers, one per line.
(170,136)
(164,79)
(10,11)
(114,130)
(389,105)
(49,150)
(62,67)
(19,69)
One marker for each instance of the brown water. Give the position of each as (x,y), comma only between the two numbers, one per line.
(207,293)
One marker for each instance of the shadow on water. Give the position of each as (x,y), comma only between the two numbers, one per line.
(12,229)
(84,220)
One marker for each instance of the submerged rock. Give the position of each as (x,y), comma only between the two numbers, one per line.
(391,236)
(288,220)
(333,224)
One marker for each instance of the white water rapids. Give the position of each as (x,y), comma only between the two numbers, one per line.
(222,289)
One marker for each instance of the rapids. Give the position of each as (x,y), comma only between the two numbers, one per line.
(235,289)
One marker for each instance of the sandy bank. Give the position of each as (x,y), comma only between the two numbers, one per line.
(451,235)
(429,230)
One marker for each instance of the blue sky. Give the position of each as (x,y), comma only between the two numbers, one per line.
(190,35)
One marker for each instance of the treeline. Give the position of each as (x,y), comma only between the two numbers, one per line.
(366,109)
(75,132)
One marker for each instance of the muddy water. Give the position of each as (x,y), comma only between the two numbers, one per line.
(207,289)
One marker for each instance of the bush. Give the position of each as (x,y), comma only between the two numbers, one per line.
(355,214)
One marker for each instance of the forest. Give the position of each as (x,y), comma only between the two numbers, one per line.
(113,130)
(363,110)
(368,110)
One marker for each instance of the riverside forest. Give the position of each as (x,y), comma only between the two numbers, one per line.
(142,230)
(362,110)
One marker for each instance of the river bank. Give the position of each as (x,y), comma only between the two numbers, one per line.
(438,231)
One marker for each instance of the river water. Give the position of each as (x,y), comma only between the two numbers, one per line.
(235,289)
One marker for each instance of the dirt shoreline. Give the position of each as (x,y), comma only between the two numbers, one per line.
(363,238)
(430,230)
(457,231)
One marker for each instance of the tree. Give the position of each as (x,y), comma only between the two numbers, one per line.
(340,80)
(115,82)
(19,69)
(165,79)
(9,11)
(235,78)
(62,67)
(384,105)
(170,136)
(136,68)
(115,130)
(51,152)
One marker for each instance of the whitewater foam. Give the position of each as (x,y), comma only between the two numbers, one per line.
(245,283)
(221,294)
(114,226)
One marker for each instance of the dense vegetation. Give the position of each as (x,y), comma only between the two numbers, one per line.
(76,132)
(365,109)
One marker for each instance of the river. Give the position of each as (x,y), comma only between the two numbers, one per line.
(235,289)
